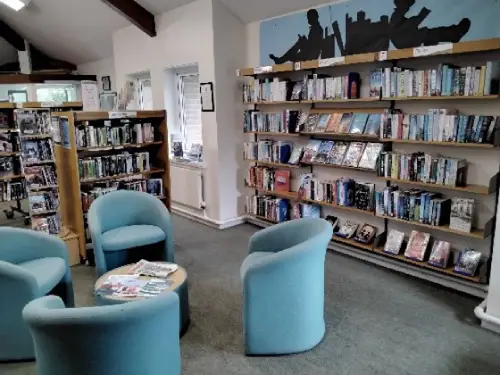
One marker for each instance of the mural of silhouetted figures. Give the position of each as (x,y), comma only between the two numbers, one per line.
(363,35)
(306,48)
(407,33)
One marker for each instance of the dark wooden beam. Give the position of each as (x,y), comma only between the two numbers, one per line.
(41,78)
(40,61)
(11,36)
(135,13)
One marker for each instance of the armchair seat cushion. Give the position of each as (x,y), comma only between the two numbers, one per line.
(48,272)
(131,236)
(251,259)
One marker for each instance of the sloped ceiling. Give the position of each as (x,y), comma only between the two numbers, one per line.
(80,31)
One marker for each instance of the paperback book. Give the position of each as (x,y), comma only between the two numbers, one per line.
(394,242)
(310,151)
(417,245)
(461,214)
(370,156)
(366,234)
(440,254)
(468,262)
(347,229)
(323,151)
(337,153)
(353,154)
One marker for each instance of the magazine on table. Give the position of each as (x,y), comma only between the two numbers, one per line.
(161,270)
(131,286)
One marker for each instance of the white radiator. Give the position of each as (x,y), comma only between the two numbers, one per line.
(187,186)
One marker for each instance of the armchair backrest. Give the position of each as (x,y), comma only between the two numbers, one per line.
(19,245)
(123,208)
(139,337)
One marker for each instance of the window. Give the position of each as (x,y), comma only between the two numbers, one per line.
(56,93)
(189,109)
(18,96)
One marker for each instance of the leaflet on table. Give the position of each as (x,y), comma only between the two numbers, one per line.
(126,286)
(155,287)
(145,268)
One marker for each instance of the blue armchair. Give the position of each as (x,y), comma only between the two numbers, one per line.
(32,264)
(283,287)
(140,337)
(123,220)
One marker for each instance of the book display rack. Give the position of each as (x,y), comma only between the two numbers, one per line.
(99,152)
(443,189)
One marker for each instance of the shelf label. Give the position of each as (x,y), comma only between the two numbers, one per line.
(19,105)
(382,56)
(296,66)
(263,69)
(51,104)
(432,50)
(114,115)
(322,63)
(237,72)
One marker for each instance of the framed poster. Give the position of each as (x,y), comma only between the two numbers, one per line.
(207,97)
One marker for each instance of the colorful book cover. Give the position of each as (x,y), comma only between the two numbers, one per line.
(358,123)
(353,154)
(322,123)
(310,151)
(334,123)
(345,123)
(417,245)
(282,179)
(373,124)
(323,151)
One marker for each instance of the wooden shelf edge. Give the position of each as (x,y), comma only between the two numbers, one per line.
(352,242)
(441,144)
(116,177)
(340,167)
(476,233)
(473,189)
(119,147)
(104,115)
(275,134)
(410,98)
(11,177)
(271,164)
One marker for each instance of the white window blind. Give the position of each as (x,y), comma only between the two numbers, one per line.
(190,109)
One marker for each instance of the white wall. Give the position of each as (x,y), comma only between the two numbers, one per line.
(101,68)
(185,37)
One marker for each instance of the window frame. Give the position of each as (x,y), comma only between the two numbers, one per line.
(181,113)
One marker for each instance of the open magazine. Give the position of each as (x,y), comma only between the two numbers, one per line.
(131,286)
(152,269)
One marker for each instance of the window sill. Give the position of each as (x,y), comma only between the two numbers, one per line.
(187,163)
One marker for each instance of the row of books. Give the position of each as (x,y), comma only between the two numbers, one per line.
(347,154)
(422,167)
(153,186)
(12,191)
(35,151)
(9,142)
(107,135)
(269,90)
(50,224)
(439,125)
(268,151)
(426,208)
(362,233)
(273,209)
(33,121)
(40,176)
(445,80)
(269,179)
(8,166)
(107,166)
(43,202)
(440,254)
(276,122)
(342,192)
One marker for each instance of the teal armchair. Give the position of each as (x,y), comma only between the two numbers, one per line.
(121,221)
(139,337)
(283,287)
(32,264)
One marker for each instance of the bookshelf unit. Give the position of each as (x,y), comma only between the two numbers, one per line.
(485,190)
(70,158)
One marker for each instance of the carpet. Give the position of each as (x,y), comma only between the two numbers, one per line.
(378,321)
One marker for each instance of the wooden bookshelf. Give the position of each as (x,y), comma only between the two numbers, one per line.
(341,167)
(43,188)
(409,98)
(275,134)
(344,136)
(283,102)
(447,271)
(441,144)
(69,181)
(475,234)
(473,189)
(270,164)
(28,105)
(351,242)
(11,177)
(264,218)
(7,105)
(9,154)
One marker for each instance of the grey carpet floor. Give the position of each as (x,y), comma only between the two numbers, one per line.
(378,321)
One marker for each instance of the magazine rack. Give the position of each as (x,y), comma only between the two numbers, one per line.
(484,50)
(69,156)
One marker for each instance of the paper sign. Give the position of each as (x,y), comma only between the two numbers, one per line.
(331,62)
(296,66)
(237,72)
(114,115)
(432,50)
(262,69)
(382,56)
(90,96)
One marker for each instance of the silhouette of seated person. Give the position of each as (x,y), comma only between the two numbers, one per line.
(306,48)
(405,32)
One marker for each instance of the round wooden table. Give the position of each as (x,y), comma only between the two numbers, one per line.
(179,286)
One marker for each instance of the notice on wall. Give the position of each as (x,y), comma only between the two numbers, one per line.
(90,96)
(54,130)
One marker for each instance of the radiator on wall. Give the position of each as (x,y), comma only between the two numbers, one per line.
(187,186)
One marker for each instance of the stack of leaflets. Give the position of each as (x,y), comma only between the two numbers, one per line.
(153,269)
(131,286)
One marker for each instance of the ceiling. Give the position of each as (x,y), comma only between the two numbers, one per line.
(80,31)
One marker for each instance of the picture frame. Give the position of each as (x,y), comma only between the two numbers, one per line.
(207,97)
(106,83)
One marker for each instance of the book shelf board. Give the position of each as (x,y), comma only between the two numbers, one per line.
(275,134)
(349,241)
(474,189)
(270,164)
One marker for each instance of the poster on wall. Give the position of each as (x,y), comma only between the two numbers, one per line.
(360,26)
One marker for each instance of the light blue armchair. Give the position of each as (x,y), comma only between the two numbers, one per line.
(123,220)
(140,337)
(32,264)
(283,287)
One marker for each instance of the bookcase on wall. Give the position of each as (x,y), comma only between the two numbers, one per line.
(99,152)
(481,152)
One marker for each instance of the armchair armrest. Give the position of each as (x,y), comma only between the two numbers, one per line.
(14,279)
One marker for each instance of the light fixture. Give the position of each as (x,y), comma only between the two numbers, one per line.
(17,5)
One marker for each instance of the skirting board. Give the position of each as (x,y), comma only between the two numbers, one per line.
(207,221)
(447,281)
